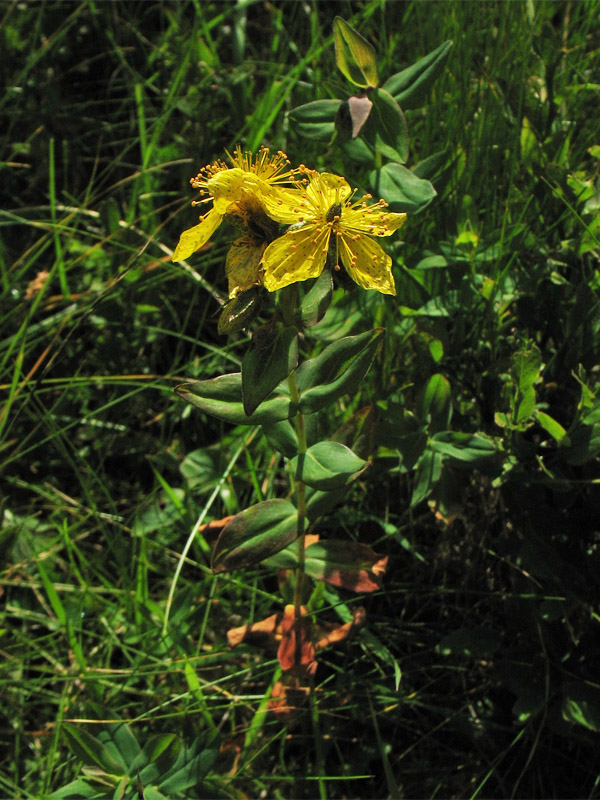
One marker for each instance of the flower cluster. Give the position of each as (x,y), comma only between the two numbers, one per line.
(260,193)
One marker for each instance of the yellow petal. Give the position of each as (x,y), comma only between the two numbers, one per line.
(326,189)
(371,220)
(229,186)
(296,256)
(194,238)
(283,205)
(242,264)
(367,263)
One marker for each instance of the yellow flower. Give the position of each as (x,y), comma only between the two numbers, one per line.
(325,208)
(234,191)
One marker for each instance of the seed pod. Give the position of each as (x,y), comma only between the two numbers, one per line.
(239,312)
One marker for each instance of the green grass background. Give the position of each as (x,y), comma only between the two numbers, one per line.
(107,110)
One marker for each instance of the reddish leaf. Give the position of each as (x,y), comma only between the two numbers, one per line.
(288,697)
(343,631)
(296,651)
(265,629)
(349,565)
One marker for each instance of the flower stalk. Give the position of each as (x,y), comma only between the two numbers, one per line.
(300,495)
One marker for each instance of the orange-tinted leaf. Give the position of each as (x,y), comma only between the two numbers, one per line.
(296,650)
(343,631)
(288,697)
(349,565)
(266,628)
(211,530)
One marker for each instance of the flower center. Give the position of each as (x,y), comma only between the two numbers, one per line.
(334,211)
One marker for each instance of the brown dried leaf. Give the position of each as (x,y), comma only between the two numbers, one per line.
(265,629)
(296,651)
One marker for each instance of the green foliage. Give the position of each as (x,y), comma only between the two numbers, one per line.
(117,765)
(255,534)
(270,361)
(409,87)
(327,465)
(355,57)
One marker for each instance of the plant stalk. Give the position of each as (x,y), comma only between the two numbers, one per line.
(300,494)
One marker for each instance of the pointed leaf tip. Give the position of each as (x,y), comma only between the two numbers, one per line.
(354,55)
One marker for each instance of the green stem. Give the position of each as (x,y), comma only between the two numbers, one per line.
(300,494)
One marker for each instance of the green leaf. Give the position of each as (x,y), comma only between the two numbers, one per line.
(398,428)
(189,771)
(401,188)
(581,705)
(201,468)
(327,465)
(432,165)
(334,359)
(344,125)
(119,740)
(434,405)
(386,128)
(358,432)
(239,312)
(585,444)
(158,755)
(282,437)
(319,504)
(152,793)
(410,86)
(523,679)
(338,370)
(429,469)
(316,301)
(90,750)
(477,642)
(284,559)
(442,169)
(361,151)
(468,447)
(436,349)
(264,366)
(79,789)
(315,120)
(345,316)
(354,56)
(53,595)
(592,416)
(526,405)
(255,534)
(222,397)
(526,365)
